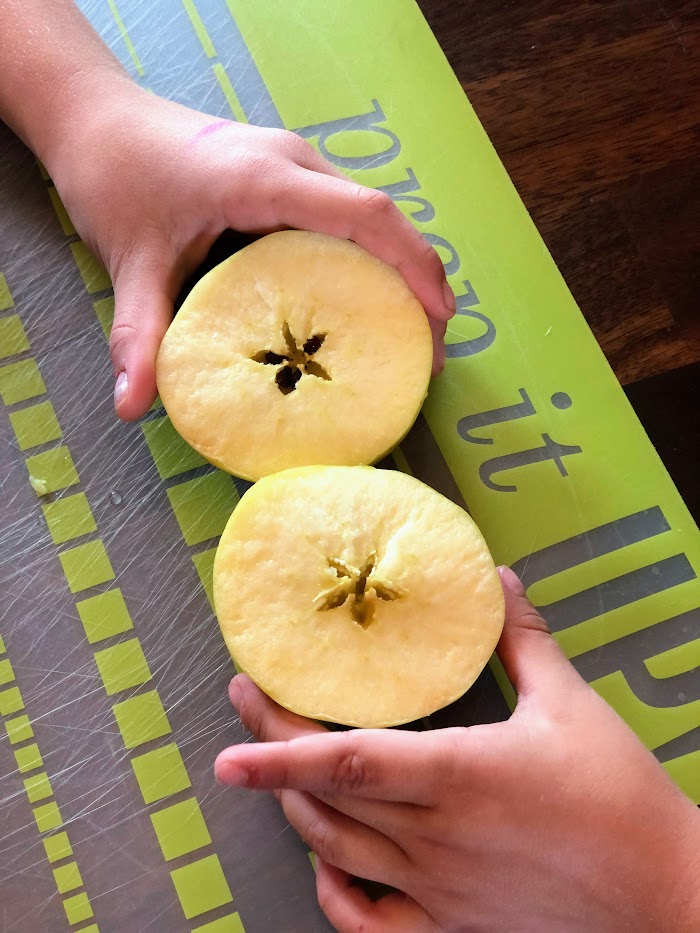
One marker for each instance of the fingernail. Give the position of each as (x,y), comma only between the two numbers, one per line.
(121,389)
(235,693)
(228,772)
(450,300)
(511,581)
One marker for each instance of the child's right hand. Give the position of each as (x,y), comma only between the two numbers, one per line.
(557,820)
(150,185)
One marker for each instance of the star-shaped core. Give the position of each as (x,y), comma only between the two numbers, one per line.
(297,361)
(361,585)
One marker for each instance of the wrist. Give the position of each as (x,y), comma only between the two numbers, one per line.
(89,105)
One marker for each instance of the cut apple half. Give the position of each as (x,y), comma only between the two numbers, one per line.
(355,595)
(299,349)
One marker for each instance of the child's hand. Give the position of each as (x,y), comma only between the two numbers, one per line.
(556,820)
(149,186)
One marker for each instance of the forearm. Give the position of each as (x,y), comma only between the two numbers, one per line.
(688,896)
(54,72)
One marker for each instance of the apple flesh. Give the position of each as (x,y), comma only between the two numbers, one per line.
(355,595)
(299,349)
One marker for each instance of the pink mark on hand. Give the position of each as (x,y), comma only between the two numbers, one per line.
(207,131)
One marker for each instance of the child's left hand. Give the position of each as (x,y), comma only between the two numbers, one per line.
(150,185)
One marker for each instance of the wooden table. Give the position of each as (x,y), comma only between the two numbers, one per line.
(594,108)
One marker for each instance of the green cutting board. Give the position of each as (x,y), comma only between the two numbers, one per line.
(112,672)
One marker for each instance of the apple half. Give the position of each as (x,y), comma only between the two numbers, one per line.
(299,349)
(356,595)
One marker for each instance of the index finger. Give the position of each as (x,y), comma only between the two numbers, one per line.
(340,207)
(405,767)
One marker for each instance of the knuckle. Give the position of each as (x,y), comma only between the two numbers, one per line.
(438,328)
(430,256)
(122,333)
(254,721)
(249,720)
(350,772)
(289,144)
(299,149)
(424,253)
(376,203)
(278,137)
(449,772)
(320,837)
(533,621)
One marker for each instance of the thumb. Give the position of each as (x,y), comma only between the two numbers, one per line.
(528,651)
(142,312)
